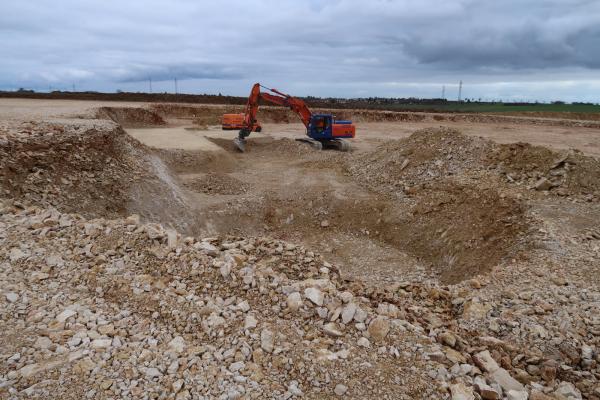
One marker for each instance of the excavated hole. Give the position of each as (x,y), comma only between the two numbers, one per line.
(448,231)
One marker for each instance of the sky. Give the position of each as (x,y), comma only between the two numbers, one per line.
(514,50)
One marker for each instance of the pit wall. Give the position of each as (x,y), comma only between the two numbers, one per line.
(211,115)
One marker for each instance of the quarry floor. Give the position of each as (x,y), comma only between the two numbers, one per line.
(447,205)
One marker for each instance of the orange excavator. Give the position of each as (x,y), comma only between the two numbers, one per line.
(321,129)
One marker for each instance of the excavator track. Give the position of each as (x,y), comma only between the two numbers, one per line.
(340,144)
(315,144)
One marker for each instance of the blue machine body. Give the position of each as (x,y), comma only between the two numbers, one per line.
(324,127)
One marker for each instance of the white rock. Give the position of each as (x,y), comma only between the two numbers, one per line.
(587,352)
(506,382)
(177,344)
(237,366)
(314,295)
(101,343)
(460,391)
(294,389)
(485,361)
(348,313)
(250,322)
(16,254)
(294,301)
(267,340)
(568,391)
(207,248)
(363,342)
(332,329)
(346,296)
(153,372)
(43,343)
(486,391)
(244,306)
(360,315)
(225,269)
(171,238)
(173,367)
(11,297)
(177,385)
(340,389)
(516,395)
(65,315)
(54,260)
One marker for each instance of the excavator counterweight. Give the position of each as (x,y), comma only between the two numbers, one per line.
(322,130)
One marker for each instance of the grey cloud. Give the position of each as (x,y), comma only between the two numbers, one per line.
(168,72)
(319,47)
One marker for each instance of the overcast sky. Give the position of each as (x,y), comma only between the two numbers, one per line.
(509,49)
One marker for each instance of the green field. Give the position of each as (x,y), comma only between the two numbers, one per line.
(495,107)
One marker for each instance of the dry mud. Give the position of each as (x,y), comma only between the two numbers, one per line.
(465,257)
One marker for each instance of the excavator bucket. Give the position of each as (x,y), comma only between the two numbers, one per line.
(240,144)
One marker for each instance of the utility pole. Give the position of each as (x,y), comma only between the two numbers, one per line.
(175,79)
(459,90)
(150,82)
(73,88)
(443,91)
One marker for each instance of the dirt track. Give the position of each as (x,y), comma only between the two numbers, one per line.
(480,243)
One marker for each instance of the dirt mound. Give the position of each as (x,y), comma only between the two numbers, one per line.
(216,183)
(566,173)
(93,169)
(251,316)
(428,154)
(131,117)
(460,227)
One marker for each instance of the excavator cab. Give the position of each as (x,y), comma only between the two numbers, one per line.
(324,127)
(321,125)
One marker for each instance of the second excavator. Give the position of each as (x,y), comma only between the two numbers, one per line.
(322,130)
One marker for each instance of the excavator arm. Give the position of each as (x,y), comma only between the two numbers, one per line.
(294,104)
(250,123)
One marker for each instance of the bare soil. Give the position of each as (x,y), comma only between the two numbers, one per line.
(478,213)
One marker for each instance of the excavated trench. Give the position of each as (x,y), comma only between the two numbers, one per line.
(427,219)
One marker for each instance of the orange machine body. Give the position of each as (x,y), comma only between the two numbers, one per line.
(232,122)
(344,130)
